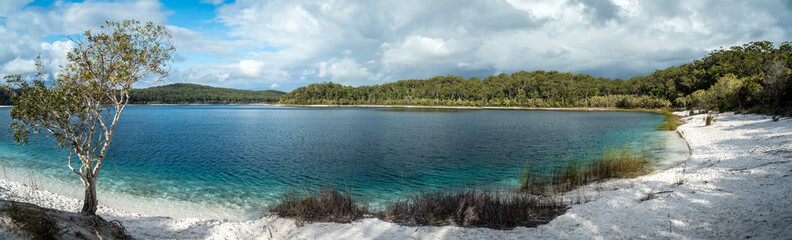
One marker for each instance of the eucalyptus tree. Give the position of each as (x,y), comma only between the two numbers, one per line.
(81,107)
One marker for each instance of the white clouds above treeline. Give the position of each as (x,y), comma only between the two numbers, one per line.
(288,44)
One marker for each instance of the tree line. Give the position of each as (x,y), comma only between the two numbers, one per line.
(185,93)
(754,76)
(180,93)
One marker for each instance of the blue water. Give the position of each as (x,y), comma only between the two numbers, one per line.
(241,156)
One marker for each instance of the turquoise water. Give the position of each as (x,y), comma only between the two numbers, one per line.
(237,158)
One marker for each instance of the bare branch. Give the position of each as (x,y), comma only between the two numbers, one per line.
(82,176)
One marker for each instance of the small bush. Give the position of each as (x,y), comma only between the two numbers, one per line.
(326,204)
(471,208)
(613,162)
(36,224)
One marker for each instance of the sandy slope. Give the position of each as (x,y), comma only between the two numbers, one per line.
(736,184)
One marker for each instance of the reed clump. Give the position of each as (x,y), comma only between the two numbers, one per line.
(325,204)
(709,119)
(471,208)
(612,162)
(670,122)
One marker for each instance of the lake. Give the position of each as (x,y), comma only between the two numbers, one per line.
(231,161)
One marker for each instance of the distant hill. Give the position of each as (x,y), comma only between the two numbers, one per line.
(182,93)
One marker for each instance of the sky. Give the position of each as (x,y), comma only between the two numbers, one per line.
(257,44)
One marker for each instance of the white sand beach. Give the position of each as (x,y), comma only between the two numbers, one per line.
(736,184)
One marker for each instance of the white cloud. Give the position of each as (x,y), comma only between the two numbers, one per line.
(75,18)
(23,29)
(213,2)
(541,8)
(344,70)
(414,49)
(20,66)
(251,68)
(9,6)
(274,85)
(53,55)
(189,41)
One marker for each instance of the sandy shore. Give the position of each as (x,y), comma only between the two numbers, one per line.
(466,107)
(736,184)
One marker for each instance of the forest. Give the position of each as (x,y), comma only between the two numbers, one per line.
(186,93)
(752,77)
(180,93)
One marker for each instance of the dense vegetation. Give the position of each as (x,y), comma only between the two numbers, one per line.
(754,76)
(186,93)
(535,89)
(193,93)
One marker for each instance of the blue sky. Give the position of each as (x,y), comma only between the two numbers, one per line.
(282,45)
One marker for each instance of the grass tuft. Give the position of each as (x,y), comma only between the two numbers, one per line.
(709,119)
(36,225)
(326,204)
(471,208)
(613,162)
(670,123)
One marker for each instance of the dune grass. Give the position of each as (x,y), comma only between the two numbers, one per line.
(670,122)
(325,204)
(472,208)
(612,162)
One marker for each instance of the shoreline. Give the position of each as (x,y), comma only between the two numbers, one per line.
(469,107)
(614,109)
(736,183)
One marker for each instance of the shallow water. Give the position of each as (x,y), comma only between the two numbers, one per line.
(232,160)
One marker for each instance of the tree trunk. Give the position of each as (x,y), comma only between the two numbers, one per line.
(90,203)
